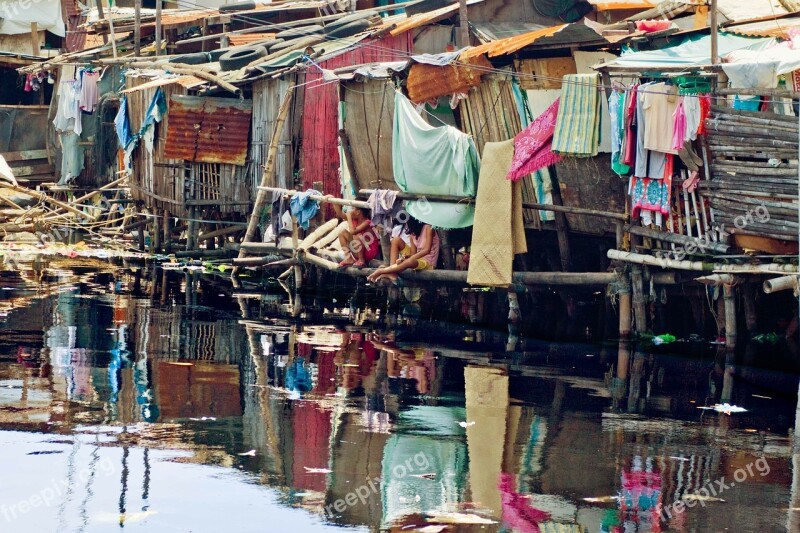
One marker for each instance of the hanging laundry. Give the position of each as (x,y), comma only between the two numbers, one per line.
(123,124)
(652,196)
(303,208)
(155,113)
(616,104)
(691,108)
(88,96)
(705,109)
(68,115)
(659,104)
(433,160)
(678,126)
(630,146)
(532,146)
(385,207)
(577,130)
(649,163)
(499,231)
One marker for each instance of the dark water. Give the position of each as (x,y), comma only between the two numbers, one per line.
(123,408)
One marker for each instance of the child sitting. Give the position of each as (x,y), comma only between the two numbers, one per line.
(360,241)
(421,253)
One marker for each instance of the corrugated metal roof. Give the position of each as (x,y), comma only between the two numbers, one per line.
(767,28)
(404,22)
(426,82)
(247,38)
(185,81)
(614,5)
(511,44)
(208,130)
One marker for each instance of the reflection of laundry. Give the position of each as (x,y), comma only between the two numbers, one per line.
(517,509)
(432,443)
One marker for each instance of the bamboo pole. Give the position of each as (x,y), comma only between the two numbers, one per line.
(663,262)
(312,238)
(45,198)
(783,283)
(637,294)
(541,207)
(219,233)
(261,196)
(318,198)
(157,43)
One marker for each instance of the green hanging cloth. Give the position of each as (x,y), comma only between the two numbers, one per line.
(433,160)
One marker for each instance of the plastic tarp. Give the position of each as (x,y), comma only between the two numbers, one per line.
(751,69)
(694,51)
(17,16)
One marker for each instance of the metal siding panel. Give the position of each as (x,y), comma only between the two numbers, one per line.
(320,112)
(208,130)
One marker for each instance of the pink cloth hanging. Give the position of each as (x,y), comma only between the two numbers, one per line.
(532,146)
(679,127)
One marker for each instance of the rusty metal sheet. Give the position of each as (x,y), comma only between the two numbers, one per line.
(781,28)
(426,82)
(208,130)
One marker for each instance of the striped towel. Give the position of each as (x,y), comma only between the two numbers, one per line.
(577,130)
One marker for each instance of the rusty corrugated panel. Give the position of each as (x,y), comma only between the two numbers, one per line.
(248,38)
(511,44)
(426,82)
(208,130)
(320,112)
(767,28)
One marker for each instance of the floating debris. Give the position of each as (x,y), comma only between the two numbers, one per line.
(466,424)
(701,498)
(725,408)
(251,453)
(318,470)
(602,499)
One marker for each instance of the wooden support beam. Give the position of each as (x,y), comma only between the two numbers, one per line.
(561,223)
(637,292)
(729,294)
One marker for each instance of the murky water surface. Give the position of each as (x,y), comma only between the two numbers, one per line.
(123,408)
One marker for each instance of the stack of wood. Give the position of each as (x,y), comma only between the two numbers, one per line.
(754,172)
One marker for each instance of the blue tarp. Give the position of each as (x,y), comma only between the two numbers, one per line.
(693,51)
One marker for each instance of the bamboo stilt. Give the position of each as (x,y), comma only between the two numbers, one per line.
(261,197)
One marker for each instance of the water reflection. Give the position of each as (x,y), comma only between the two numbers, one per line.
(143,405)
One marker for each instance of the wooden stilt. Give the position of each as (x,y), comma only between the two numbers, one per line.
(298,272)
(141,230)
(637,290)
(729,295)
(750,315)
(167,222)
(266,177)
(561,224)
(625,309)
(191,232)
(156,232)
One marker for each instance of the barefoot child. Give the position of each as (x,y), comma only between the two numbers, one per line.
(422,253)
(360,241)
